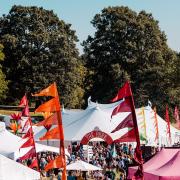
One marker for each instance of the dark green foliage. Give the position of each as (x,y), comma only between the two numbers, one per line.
(40,49)
(3,82)
(130,46)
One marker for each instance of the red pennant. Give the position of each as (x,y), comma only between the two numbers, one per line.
(30,154)
(27,123)
(28,143)
(125,91)
(25,111)
(130,136)
(122,107)
(24,101)
(126,123)
(28,134)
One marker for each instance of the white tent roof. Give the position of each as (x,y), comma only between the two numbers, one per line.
(98,116)
(10,143)
(10,169)
(82,166)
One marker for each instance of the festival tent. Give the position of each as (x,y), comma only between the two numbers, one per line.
(163,166)
(91,119)
(82,166)
(10,143)
(98,116)
(10,169)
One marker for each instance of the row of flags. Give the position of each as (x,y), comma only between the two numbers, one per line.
(52,113)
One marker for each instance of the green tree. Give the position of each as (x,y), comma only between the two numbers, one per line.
(128,46)
(40,49)
(3,82)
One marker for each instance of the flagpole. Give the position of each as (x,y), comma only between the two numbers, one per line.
(138,146)
(61,132)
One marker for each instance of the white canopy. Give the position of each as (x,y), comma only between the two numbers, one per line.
(10,169)
(10,144)
(82,166)
(98,116)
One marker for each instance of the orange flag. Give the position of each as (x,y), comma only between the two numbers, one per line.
(53,134)
(59,162)
(49,91)
(34,164)
(51,120)
(50,106)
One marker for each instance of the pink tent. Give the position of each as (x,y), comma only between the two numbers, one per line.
(163,166)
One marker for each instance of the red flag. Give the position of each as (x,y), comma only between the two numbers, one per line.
(24,101)
(122,107)
(126,123)
(28,143)
(127,137)
(59,162)
(50,106)
(34,164)
(49,91)
(30,154)
(125,91)
(27,123)
(25,111)
(168,124)
(28,134)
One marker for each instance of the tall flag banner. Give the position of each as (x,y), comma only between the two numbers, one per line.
(176,116)
(168,124)
(53,106)
(126,93)
(31,154)
(142,120)
(156,126)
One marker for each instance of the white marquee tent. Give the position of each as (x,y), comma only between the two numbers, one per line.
(98,116)
(10,143)
(10,169)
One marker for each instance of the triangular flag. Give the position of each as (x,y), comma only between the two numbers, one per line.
(49,91)
(24,101)
(52,134)
(34,164)
(127,137)
(28,143)
(50,106)
(59,162)
(49,120)
(30,154)
(125,91)
(122,107)
(25,111)
(28,134)
(126,123)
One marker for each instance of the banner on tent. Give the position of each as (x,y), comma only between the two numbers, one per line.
(96,134)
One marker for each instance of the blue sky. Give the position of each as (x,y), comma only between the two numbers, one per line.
(79,13)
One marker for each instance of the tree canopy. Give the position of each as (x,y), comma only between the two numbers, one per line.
(3,82)
(40,49)
(129,46)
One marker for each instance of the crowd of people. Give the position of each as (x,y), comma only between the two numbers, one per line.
(114,161)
